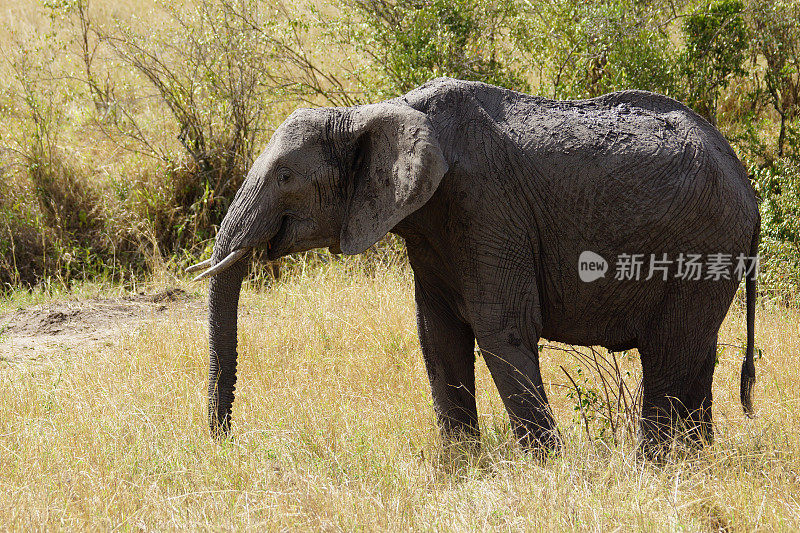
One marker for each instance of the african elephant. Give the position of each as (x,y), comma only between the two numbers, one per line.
(497,194)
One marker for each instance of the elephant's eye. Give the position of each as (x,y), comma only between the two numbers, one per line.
(284,174)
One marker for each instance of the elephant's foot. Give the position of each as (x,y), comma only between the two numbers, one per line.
(541,439)
(458,432)
(698,428)
(679,430)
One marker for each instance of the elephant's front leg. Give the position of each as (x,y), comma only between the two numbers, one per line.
(448,346)
(515,370)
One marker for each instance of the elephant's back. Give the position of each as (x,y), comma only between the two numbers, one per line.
(627,166)
(633,157)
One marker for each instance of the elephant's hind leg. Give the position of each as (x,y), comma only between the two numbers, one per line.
(699,424)
(676,401)
(678,356)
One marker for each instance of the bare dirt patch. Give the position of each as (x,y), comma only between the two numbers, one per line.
(41,331)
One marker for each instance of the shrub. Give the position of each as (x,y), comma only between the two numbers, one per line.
(779,187)
(607,401)
(776,46)
(21,245)
(583,49)
(209,65)
(716,41)
(51,215)
(412,41)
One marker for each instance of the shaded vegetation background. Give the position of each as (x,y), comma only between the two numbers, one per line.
(126,128)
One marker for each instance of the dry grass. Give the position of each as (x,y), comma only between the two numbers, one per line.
(334,430)
(334,427)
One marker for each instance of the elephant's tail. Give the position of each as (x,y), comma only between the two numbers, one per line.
(748,367)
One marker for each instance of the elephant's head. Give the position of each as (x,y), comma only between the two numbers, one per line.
(336,177)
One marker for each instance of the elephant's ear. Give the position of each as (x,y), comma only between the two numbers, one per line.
(397,164)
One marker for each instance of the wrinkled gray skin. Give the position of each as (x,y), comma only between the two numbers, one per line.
(496,194)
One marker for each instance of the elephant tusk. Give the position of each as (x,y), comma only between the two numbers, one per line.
(222,265)
(200,266)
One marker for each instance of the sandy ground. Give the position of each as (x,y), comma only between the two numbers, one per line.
(39,332)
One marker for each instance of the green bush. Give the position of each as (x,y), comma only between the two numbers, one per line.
(412,41)
(22,254)
(716,41)
(210,66)
(50,212)
(779,187)
(584,49)
(775,47)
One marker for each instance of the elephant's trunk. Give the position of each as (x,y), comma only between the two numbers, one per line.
(222,324)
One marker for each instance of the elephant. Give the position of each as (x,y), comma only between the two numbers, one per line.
(499,197)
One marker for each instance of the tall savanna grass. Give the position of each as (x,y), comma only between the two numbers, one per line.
(334,429)
(115,168)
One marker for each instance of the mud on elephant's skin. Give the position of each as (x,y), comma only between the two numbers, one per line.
(497,194)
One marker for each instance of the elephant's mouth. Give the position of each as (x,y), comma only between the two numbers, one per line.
(213,269)
(276,247)
(275,244)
